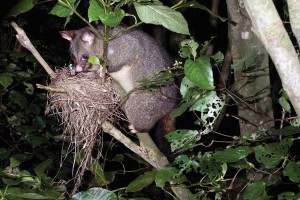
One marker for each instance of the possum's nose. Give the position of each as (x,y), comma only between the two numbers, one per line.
(78,68)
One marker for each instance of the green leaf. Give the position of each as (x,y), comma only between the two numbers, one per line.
(287,196)
(21,7)
(95,193)
(98,172)
(53,193)
(295,122)
(272,154)
(41,168)
(40,122)
(232,154)
(94,60)
(218,57)
(241,164)
(114,18)
(185,86)
(6,80)
(256,190)
(141,182)
(32,196)
(4,153)
(186,164)
(18,98)
(181,109)
(210,106)
(168,175)
(16,160)
(209,166)
(63,8)
(162,15)
(110,18)
(95,11)
(285,131)
(292,170)
(11,182)
(182,138)
(29,88)
(200,72)
(188,47)
(195,4)
(284,104)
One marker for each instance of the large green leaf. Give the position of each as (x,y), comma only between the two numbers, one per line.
(272,154)
(95,11)
(141,182)
(63,8)
(111,18)
(41,168)
(162,15)
(170,175)
(21,7)
(232,154)
(200,72)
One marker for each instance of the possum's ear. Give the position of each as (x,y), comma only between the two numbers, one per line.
(88,36)
(68,35)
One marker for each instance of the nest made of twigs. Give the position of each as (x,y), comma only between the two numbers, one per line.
(82,102)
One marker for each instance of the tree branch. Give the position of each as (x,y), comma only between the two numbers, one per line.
(268,26)
(25,42)
(294,14)
(148,151)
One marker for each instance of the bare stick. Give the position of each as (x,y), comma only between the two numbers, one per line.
(52,89)
(25,42)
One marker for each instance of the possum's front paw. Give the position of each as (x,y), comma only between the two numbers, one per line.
(132,129)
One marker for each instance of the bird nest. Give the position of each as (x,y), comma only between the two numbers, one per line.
(82,102)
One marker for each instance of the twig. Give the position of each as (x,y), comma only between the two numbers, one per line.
(25,42)
(52,89)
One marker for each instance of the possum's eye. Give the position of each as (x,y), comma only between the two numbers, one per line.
(84,57)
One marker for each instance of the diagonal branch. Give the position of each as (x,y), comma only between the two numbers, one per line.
(25,42)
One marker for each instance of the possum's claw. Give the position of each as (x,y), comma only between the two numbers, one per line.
(132,129)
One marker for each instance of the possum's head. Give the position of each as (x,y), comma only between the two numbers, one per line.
(83,44)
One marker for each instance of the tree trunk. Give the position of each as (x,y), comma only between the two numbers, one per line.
(253,87)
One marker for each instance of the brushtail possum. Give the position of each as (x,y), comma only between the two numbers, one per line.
(132,56)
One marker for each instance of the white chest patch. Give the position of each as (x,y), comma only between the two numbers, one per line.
(123,77)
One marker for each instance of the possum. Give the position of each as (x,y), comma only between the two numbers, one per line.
(131,57)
